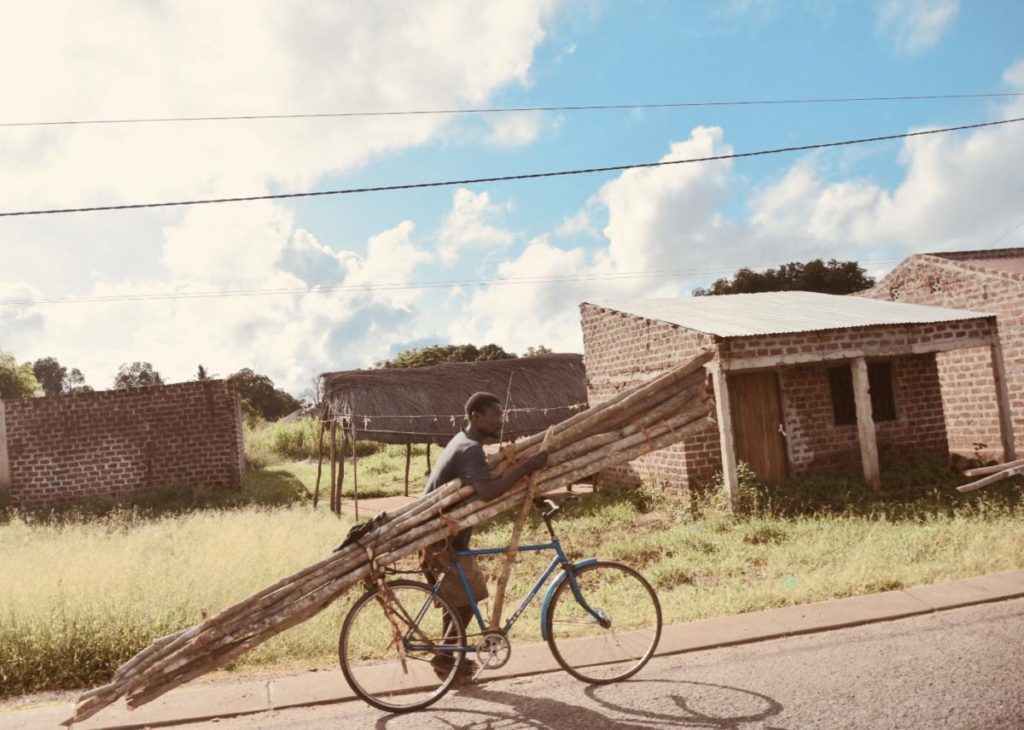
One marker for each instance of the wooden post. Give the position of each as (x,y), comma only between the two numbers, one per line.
(866,424)
(319,461)
(725,432)
(355,471)
(408,462)
(341,472)
(428,457)
(1003,399)
(334,456)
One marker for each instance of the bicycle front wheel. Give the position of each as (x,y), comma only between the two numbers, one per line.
(401,653)
(605,625)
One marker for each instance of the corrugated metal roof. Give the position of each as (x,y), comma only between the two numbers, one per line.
(744,315)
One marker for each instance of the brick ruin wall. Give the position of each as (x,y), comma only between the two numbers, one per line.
(94,445)
(621,351)
(968,394)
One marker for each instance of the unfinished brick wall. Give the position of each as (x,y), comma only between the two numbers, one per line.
(621,351)
(966,375)
(104,444)
(816,442)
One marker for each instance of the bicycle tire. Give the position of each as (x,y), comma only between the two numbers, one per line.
(371,663)
(599,654)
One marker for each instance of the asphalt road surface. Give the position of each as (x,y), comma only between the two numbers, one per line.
(956,669)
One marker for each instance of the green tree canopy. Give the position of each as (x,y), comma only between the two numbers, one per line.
(17,381)
(56,379)
(136,375)
(437,354)
(50,375)
(834,277)
(261,397)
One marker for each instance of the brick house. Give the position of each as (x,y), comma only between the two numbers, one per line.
(68,448)
(989,281)
(802,381)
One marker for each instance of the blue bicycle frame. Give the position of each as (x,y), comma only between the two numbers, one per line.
(559,561)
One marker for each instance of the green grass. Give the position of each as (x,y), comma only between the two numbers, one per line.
(80,594)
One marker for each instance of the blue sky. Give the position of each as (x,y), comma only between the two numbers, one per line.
(876,203)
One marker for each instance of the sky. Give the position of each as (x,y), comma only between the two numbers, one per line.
(340,282)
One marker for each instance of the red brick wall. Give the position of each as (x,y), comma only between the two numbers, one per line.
(966,376)
(815,442)
(621,351)
(104,444)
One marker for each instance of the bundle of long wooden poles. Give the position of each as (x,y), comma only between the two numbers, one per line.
(652,416)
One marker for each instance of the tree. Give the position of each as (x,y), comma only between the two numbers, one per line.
(201,373)
(259,394)
(17,381)
(537,351)
(75,382)
(50,374)
(56,379)
(437,354)
(136,375)
(834,277)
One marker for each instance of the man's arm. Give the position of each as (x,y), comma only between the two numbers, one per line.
(488,487)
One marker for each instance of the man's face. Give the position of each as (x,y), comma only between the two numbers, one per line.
(487,422)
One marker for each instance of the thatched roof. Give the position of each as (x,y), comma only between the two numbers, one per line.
(421,405)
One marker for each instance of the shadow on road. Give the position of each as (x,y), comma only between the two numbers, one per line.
(678,704)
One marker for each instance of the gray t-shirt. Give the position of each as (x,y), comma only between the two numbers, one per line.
(463,458)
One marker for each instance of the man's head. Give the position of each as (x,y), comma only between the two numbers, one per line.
(483,412)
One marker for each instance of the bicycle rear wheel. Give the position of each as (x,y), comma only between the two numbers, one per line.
(620,639)
(430,632)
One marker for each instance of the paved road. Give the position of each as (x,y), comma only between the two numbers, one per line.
(956,669)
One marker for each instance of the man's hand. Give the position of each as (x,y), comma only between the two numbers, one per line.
(535,462)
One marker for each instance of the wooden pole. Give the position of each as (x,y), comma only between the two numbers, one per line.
(1003,400)
(428,458)
(334,456)
(866,424)
(355,471)
(341,471)
(319,460)
(408,461)
(723,409)
(992,479)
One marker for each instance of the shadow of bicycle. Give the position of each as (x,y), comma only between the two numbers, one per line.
(628,706)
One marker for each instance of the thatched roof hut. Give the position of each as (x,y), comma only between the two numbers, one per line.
(424,405)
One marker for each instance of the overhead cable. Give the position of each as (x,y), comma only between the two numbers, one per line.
(507,178)
(511,109)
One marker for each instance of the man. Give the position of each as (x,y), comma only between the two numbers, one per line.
(463,458)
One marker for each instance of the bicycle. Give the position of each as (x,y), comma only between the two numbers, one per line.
(402,645)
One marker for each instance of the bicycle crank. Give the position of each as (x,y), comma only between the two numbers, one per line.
(492,651)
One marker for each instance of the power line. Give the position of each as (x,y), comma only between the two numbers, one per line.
(229,293)
(512,109)
(506,178)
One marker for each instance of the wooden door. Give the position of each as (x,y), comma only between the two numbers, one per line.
(757,424)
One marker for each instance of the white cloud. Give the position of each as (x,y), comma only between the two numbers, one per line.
(468,225)
(915,25)
(260,57)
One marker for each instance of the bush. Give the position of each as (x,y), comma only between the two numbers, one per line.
(274,443)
